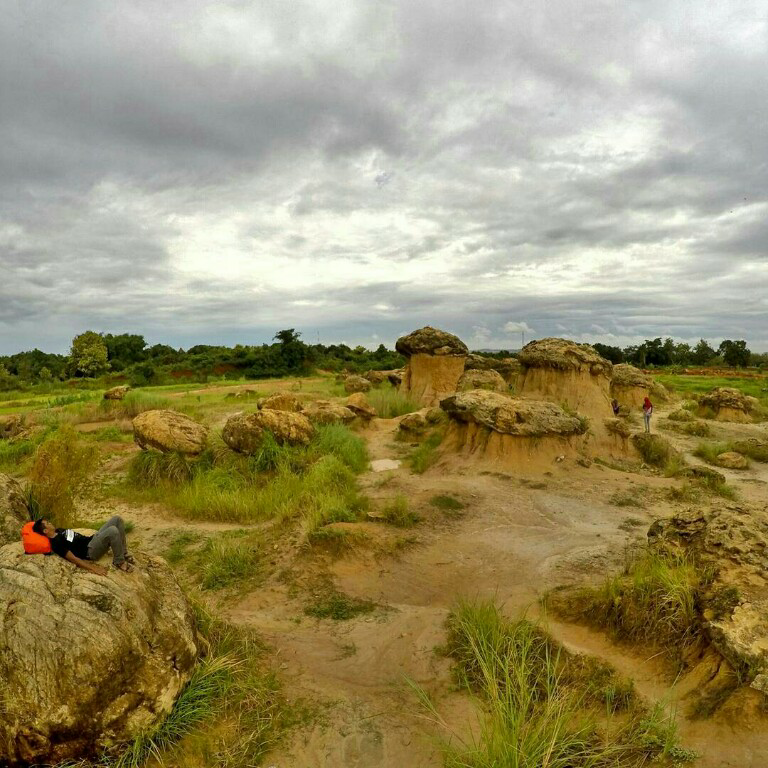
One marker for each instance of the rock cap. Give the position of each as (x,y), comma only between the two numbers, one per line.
(564,355)
(431,341)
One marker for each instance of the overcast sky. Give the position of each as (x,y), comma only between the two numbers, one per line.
(212,172)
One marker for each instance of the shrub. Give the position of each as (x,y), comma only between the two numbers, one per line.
(152,468)
(398,512)
(754,449)
(426,454)
(60,467)
(226,561)
(653,449)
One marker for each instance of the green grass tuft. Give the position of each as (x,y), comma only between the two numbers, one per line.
(390,403)
(426,455)
(398,512)
(337,606)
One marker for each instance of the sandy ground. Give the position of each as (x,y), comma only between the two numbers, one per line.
(516,538)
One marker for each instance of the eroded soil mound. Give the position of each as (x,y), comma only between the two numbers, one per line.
(629,385)
(728,404)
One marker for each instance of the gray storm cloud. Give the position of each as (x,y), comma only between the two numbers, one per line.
(206,172)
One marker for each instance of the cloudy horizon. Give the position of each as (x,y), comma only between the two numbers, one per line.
(214,172)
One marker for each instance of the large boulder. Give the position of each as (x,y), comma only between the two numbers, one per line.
(630,386)
(117,393)
(727,404)
(511,415)
(86,662)
(356,384)
(565,372)
(13,510)
(479,379)
(359,405)
(508,367)
(731,460)
(326,412)
(11,426)
(377,377)
(282,401)
(244,432)
(412,423)
(169,431)
(435,364)
(431,341)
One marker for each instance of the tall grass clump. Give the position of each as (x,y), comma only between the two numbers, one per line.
(710,451)
(546,707)
(389,402)
(150,469)
(337,440)
(426,455)
(226,561)
(753,449)
(60,467)
(15,451)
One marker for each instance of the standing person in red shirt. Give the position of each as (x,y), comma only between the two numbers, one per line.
(647,411)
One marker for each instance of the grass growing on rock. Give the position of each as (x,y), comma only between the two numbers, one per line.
(545,706)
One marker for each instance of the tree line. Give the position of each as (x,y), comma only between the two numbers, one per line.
(657,353)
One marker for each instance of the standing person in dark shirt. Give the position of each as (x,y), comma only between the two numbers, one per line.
(83,550)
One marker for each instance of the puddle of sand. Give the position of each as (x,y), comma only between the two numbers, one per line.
(382,465)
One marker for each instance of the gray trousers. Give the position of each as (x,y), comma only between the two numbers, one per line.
(111,535)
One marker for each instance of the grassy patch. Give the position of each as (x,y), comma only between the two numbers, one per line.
(753,449)
(426,454)
(710,451)
(448,504)
(398,512)
(229,559)
(390,403)
(544,706)
(625,499)
(335,605)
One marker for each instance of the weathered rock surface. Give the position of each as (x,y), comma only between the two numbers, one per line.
(508,367)
(625,375)
(564,355)
(169,431)
(117,393)
(87,662)
(699,472)
(359,405)
(13,510)
(377,377)
(326,412)
(244,432)
(282,401)
(728,404)
(733,540)
(11,426)
(618,427)
(482,379)
(731,460)
(395,378)
(412,423)
(431,341)
(356,384)
(511,415)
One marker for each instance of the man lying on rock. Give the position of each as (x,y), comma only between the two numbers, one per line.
(83,550)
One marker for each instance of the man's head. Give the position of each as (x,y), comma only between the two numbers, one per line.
(44,527)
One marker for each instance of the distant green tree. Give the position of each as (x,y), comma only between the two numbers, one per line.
(702,353)
(734,353)
(7,380)
(88,356)
(613,354)
(124,349)
(44,374)
(293,351)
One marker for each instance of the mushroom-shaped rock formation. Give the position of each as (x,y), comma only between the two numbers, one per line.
(412,423)
(359,405)
(513,430)
(169,431)
(435,363)
(117,393)
(326,412)
(87,662)
(732,539)
(566,372)
(11,426)
(508,367)
(244,432)
(727,403)
(477,379)
(281,401)
(13,510)
(356,384)
(630,386)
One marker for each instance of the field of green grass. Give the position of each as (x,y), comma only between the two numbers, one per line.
(696,385)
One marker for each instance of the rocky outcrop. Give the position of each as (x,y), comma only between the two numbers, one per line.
(359,405)
(478,379)
(630,386)
(169,431)
(732,541)
(731,460)
(326,412)
(87,662)
(13,510)
(565,372)
(117,393)
(435,364)
(281,401)
(245,432)
(412,423)
(395,378)
(11,426)
(727,403)
(511,415)
(508,367)
(377,377)
(356,384)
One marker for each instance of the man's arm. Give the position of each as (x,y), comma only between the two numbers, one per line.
(100,570)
